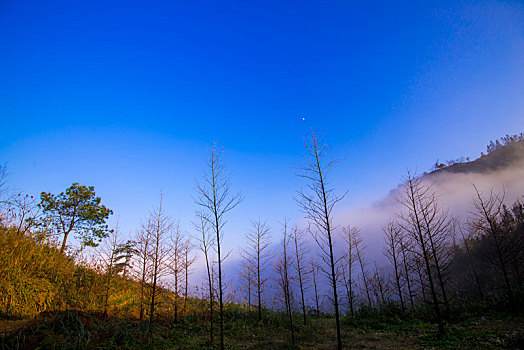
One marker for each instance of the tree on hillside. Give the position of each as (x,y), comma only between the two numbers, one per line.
(504,141)
(216,199)
(318,202)
(16,209)
(22,212)
(77,210)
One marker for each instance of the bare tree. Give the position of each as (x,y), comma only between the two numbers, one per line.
(284,279)
(257,257)
(440,231)
(246,273)
(317,203)
(420,209)
(513,227)
(379,285)
(142,253)
(160,225)
(363,270)
(16,209)
(466,238)
(206,244)
(214,196)
(419,268)
(113,259)
(3,194)
(176,265)
(22,211)
(314,274)
(300,269)
(392,250)
(404,250)
(352,239)
(487,221)
(189,259)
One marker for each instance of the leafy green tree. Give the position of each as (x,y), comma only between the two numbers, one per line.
(77,210)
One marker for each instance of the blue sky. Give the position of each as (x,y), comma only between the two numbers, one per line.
(126,96)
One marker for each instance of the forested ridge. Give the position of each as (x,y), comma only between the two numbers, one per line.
(452,279)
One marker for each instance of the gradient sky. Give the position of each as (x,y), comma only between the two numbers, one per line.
(126,96)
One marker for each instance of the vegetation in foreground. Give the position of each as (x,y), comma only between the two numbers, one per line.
(89,330)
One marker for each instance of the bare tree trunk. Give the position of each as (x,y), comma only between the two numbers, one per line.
(176,299)
(249,293)
(188,261)
(417,198)
(393,244)
(314,273)
(221,300)
(246,274)
(406,271)
(381,289)
(473,265)
(486,216)
(299,255)
(420,274)
(177,247)
(318,204)
(283,271)
(365,278)
(206,242)
(109,256)
(348,292)
(143,240)
(186,267)
(352,237)
(215,198)
(438,228)
(161,225)
(256,258)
